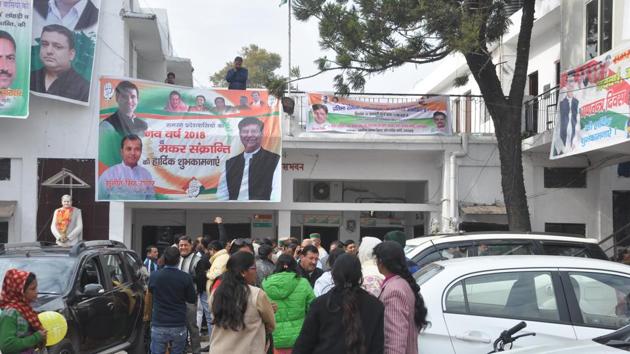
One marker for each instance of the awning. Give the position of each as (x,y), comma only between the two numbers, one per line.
(7,208)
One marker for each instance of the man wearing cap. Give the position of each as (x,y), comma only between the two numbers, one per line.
(317,242)
(401,239)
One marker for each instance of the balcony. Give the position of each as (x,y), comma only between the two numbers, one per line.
(468,113)
(540,112)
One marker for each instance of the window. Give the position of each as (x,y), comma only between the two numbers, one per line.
(503,248)
(4,232)
(526,295)
(598,27)
(5,169)
(565,249)
(114,266)
(90,274)
(565,177)
(566,228)
(603,299)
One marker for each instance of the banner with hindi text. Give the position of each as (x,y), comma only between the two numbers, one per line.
(166,142)
(593,105)
(424,116)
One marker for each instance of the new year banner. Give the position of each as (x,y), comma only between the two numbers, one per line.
(330,113)
(15,58)
(62,49)
(165,142)
(592,110)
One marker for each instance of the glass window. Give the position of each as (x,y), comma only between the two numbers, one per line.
(566,228)
(452,251)
(90,274)
(599,14)
(604,299)
(114,266)
(53,273)
(592,29)
(503,248)
(4,231)
(570,250)
(605,35)
(5,169)
(527,295)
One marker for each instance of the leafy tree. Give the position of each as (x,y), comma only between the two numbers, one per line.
(370,36)
(260,65)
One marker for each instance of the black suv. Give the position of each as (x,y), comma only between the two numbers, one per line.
(98,286)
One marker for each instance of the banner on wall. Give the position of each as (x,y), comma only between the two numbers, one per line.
(15,59)
(62,50)
(165,142)
(425,116)
(593,105)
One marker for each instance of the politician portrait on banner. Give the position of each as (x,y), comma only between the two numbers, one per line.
(423,116)
(63,43)
(162,142)
(15,59)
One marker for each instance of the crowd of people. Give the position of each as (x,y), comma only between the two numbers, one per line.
(259,296)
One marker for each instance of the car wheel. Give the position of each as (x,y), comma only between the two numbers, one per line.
(64,347)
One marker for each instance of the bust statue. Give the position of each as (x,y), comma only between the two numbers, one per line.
(67,223)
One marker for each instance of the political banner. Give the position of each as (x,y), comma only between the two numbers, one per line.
(15,59)
(424,116)
(171,143)
(62,49)
(593,105)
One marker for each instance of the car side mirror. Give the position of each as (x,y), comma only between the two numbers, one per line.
(92,290)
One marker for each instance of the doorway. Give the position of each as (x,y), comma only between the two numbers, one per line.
(242,230)
(160,236)
(328,233)
(621,218)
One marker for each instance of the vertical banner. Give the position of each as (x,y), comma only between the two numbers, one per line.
(593,105)
(15,60)
(62,52)
(165,142)
(424,116)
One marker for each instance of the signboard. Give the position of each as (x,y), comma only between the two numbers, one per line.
(62,52)
(425,116)
(163,142)
(592,110)
(15,58)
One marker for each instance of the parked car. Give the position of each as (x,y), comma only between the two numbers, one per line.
(424,250)
(98,286)
(472,300)
(614,343)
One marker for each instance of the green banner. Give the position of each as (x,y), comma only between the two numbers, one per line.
(15,35)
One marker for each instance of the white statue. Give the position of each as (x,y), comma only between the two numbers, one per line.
(67,223)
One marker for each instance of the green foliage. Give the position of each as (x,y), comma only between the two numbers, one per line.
(370,36)
(260,65)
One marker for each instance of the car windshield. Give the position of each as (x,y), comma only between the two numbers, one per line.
(53,273)
(427,272)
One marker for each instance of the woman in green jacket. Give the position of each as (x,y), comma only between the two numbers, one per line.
(20,329)
(293,295)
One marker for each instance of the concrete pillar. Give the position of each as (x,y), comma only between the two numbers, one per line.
(120,217)
(284,224)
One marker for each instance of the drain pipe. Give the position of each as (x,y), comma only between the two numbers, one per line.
(453,203)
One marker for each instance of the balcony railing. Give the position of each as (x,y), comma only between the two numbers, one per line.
(467,113)
(540,112)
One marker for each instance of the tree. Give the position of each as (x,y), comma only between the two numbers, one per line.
(370,36)
(260,65)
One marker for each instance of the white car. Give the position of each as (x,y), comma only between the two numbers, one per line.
(472,300)
(424,250)
(615,343)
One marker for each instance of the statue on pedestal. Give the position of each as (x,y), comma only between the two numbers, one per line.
(67,223)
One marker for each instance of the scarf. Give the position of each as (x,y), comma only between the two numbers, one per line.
(64,215)
(13,297)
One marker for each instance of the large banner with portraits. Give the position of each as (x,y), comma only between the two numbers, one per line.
(593,105)
(165,142)
(15,59)
(62,49)
(425,116)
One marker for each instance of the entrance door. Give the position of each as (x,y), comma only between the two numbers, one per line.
(328,233)
(621,217)
(233,231)
(160,236)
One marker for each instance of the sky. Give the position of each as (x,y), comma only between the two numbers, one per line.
(212,32)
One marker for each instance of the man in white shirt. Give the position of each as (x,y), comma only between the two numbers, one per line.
(320,118)
(76,15)
(127,180)
(253,174)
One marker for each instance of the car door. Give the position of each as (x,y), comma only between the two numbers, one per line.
(479,307)
(120,290)
(599,301)
(94,312)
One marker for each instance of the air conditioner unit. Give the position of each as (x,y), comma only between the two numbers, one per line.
(325,191)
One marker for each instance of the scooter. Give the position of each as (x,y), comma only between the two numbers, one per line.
(506,338)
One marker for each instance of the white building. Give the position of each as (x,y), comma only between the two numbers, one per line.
(581,194)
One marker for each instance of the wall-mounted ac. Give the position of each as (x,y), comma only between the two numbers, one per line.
(325,191)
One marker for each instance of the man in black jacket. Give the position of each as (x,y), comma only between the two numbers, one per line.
(188,263)
(307,267)
(253,174)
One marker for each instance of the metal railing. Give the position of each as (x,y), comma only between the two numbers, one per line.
(468,113)
(540,112)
